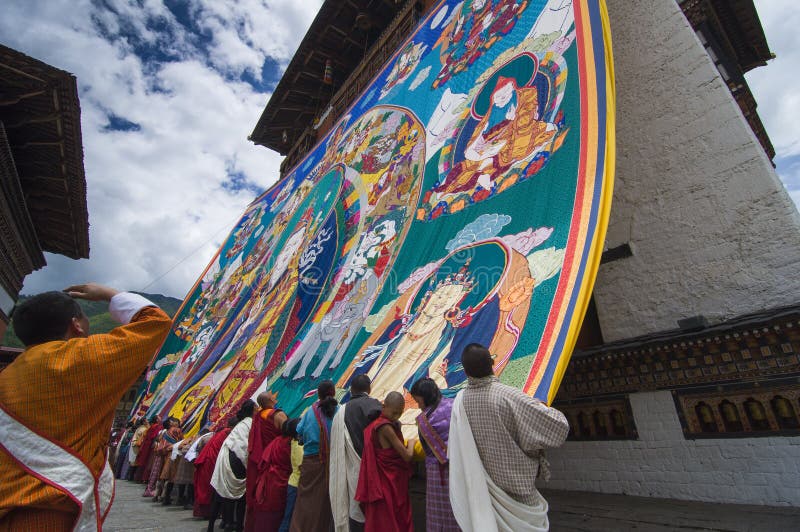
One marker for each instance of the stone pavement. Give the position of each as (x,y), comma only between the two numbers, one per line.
(583,511)
(130,511)
(569,511)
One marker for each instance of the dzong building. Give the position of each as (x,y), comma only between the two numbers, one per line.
(686,379)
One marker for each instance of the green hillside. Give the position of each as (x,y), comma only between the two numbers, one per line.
(100,320)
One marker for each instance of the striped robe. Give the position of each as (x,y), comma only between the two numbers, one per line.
(71,389)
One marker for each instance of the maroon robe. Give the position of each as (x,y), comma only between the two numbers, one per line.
(204,469)
(272,482)
(145,457)
(383,483)
(262,433)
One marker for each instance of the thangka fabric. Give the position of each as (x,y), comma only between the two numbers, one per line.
(462,198)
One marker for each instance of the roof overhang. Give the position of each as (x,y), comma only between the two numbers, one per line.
(40,111)
(342,33)
(739,28)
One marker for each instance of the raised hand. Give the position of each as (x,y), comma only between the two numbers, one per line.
(91,292)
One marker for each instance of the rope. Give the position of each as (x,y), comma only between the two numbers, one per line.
(187,257)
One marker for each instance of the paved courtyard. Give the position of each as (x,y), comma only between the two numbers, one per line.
(583,511)
(131,511)
(569,511)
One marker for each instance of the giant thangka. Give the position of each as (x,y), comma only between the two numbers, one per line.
(462,198)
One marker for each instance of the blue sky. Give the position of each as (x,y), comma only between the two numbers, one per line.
(777,89)
(169,91)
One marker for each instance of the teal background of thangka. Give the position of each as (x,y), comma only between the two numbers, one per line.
(543,200)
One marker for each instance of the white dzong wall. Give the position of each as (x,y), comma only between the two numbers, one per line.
(713,233)
(662,463)
(712,230)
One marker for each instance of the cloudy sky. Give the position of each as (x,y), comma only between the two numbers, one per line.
(777,89)
(169,91)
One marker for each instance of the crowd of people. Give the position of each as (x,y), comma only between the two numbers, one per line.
(348,466)
(338,467)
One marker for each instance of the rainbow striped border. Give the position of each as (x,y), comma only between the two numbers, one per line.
(592,200)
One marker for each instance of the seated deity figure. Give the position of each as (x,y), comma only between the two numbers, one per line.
(244,359)
(509,132)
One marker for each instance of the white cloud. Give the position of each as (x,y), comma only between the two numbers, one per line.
(160,197)
(247,31)
(777,90)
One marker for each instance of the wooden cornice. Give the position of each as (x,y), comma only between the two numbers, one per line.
(40,108)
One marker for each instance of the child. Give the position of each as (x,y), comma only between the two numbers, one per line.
(385,471)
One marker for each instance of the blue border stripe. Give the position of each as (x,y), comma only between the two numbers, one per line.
(598,46)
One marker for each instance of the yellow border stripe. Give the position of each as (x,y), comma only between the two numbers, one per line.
(604,209)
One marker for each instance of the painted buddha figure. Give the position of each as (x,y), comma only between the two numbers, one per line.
(430,330)
(509,132)
(249,364)
(244,359)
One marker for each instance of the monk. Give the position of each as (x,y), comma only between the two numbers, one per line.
(272,480)
(385,471)
(267,425)
(204,468)
(59,396)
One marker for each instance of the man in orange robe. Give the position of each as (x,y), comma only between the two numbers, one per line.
(385,471)
(57,402)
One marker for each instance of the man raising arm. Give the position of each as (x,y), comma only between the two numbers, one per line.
(57,402)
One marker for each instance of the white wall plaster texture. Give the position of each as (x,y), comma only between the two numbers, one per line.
(663,464)
(712,229)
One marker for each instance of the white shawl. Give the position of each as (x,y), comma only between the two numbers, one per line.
(343,480)
(133,453)
(223,480)
(192,452)
(479,505)
(176,450)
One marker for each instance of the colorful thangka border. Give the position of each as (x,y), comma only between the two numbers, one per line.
(463,198)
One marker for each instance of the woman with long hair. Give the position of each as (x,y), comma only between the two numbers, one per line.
(144,459)
(154,485)
(167,477)
(156,458)
(314,432)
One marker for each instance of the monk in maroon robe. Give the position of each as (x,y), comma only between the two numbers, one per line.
(204,468)
(144,460)
(272,480)
(267,426)
(385,471)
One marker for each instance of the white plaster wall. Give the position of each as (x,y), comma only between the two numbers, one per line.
(663,464)
(712,229)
